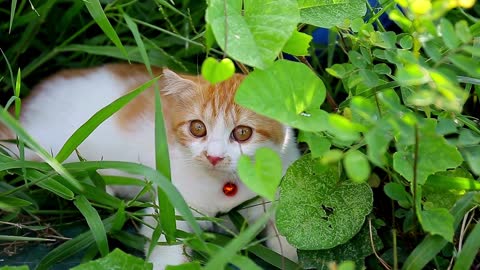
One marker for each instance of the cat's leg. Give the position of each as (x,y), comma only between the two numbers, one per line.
(278,243)
(275,241)
(163,255)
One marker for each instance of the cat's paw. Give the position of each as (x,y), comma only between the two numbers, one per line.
(280,245)
(167,255)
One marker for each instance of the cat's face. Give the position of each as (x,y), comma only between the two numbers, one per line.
(213,130)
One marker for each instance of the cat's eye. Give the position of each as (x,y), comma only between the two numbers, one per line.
(242,133)
(198,128)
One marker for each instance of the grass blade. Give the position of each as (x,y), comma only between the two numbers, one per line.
(162,161)
(96,10)
(153,175)
(469,251)
(433,244)
(71,247)
(13,125)
(12,14)
(98,118)
(9,202)
(22,238)
(18,106)
(262,252)
(228,253)
(94,222)
(138,39)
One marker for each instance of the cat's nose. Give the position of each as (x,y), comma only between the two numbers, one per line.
(214,160)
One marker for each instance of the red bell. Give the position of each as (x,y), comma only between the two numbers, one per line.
(230,189)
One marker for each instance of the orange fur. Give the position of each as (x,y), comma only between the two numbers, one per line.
(210,101)
(206,100)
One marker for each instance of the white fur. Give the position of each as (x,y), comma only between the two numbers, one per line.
(63,105)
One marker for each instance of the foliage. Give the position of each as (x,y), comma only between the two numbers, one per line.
(389,114)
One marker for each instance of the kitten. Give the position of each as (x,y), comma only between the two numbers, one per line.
(206,131)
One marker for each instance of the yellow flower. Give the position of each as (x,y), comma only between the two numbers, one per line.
(466,3)
(420,7)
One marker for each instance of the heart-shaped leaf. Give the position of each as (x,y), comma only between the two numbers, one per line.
(264,176)
(316,210)
(256,34)
(288,92)
(215,72)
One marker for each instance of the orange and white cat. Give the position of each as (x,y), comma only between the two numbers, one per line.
(207,132)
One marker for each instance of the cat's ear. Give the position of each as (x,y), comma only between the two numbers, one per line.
(173,84)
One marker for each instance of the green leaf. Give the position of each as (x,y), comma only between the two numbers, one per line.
(468,138)
(463,32)
(298,44)
(446,126)
(434,154)
(370,78)
(382,69)
(378,139)
(438,221)
(317,144)
(472,157)
(364,111)
(215,72)
(346,265)
(412,74)
(340,70)
(356,249)
(357,59)
(97,119)
(356,166)
(288,92)
(448,34)
(342,128)
(406,42)
(433,244)
(332,156)
(101,19)
(397,192)
(326,14)
(443,189)
(317,211)
(9,203)
(467,64)
(264,176)
(94,222)
(469,250)
(458,179)
(256,34)
(116,260)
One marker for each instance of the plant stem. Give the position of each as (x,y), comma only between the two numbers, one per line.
(414,181)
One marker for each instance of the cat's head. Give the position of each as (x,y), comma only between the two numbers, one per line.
(210,127)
